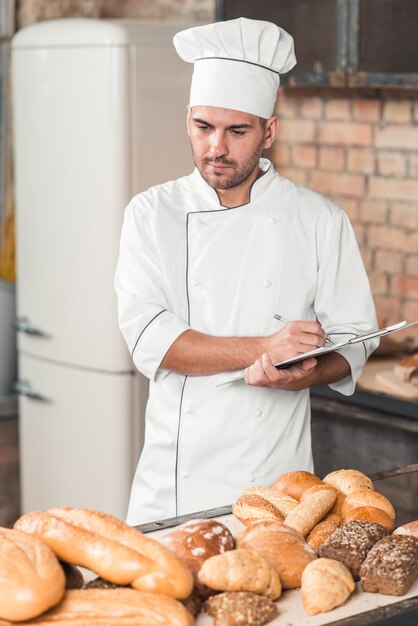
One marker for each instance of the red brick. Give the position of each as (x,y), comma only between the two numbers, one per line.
(350,206)
(398,189)
(297,175)
(384,237)
(391,164)
(286,105)
(352,185)
(388,310)
(331,159)
(337,109)
(297,131)
(366,110)
(361,161)
(397,111)
(412,265)
(413,166)
(360,233)
(311,108)
(393,136)
(367,256)
(379,284)
(404,215)
(405,286)
(389,261)
(348,133)
(373,211)
(412,243)
(280,154)
(304,156)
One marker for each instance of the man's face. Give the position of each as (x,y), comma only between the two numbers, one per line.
(226,144)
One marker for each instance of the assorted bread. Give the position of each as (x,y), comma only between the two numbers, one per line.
(303,532)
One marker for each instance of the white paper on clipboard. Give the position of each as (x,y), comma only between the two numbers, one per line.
(381,332)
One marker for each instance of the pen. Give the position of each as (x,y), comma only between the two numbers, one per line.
(280,318)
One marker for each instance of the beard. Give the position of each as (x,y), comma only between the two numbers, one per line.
(238,173)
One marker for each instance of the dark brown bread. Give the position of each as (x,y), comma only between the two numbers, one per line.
(391,565)
(241,608)
(350,544)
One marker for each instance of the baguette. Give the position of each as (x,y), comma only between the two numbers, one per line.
(313,507)
(110,548)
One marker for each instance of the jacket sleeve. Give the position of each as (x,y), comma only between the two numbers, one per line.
(145,319)
(344,304)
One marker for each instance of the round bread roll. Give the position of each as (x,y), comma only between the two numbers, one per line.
(251,509)
(326,584)
(295,483)
(364,497)
(32,580)
(321,532)
(281,500)
(348,481)
(371,514)
(196,541)
(283,547)
(410,529)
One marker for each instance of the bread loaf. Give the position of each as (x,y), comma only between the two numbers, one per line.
(251,509)
(196,541)
(364,497)
(283,547)
(31,579)
(114,607)
(281,500)
(391,565)
(371,514)
(110,548)
(408,529)
(241,570)
(348,481)
(314,505)
(326,584)
(241,608)
(295,483)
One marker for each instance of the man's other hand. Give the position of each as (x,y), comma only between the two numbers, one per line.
(263,374)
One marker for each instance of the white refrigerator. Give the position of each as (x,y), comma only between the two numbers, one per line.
(99,110)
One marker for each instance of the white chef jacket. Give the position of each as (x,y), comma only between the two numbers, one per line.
(187,262)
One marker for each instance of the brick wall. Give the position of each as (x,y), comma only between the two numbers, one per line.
(363,153)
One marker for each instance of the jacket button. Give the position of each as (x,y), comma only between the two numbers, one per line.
(258,413)
(251,479)
(267,283)
(272,221)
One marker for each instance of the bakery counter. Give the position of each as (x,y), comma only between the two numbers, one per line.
(401,487)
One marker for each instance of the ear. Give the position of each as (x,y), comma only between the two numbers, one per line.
(271,130)
(188,119)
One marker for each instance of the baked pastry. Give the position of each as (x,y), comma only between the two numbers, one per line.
(241,608)
(391,565)
(196,541)
(348,481)
(31,579)
(295,483)
(241,570)
(251,509)
(314,505)
(114,607)
(350,544)
(371,514)
(283,547)
(364,497)
(407,369)
(281,500)
(408,529)
(110,548)
(321,532)
(326,584)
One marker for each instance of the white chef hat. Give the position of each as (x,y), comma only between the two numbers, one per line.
(237,63)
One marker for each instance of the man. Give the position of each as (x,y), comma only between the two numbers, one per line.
(205,263)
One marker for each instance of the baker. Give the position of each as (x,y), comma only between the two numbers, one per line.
(205,263)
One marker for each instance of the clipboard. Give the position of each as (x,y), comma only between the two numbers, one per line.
(381,332)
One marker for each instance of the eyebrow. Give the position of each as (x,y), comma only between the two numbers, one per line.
(234,126)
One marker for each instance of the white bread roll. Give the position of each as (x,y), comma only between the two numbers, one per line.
(326,584)
(31,579)
(110,548)
(295,483)
(348,480)
(364,497)
(251,509)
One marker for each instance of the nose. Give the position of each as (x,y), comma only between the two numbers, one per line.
(218,146)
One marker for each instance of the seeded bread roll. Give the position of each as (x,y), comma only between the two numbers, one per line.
(281,500)
(364,497)
(283,547)
(371,514)
(348,481)
(196,541)
(251,509)
(326,584)
(31,579)
(295,483)
(314,505)
(408,529)
(241,608)
(391,565)
(350,544)
(241,570)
